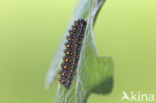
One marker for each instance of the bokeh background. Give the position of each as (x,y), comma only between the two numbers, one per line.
(31,30)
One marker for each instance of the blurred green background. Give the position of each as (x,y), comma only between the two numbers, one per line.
(31,30)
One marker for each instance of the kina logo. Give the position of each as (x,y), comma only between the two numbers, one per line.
(137,96)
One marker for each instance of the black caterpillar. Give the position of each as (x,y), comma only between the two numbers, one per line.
(72,52)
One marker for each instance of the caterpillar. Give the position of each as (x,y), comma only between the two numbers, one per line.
(72,52)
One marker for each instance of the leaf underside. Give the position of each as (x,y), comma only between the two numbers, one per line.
(94,74)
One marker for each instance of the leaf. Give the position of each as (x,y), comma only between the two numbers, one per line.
(94,73)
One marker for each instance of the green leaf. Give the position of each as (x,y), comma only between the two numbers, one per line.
(94,73)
